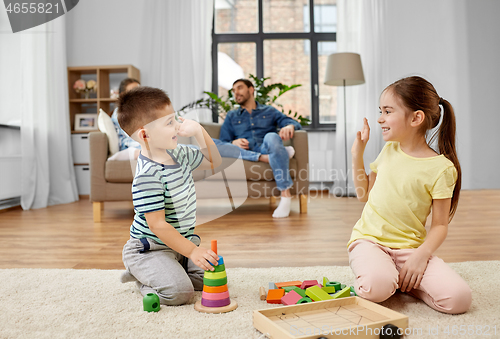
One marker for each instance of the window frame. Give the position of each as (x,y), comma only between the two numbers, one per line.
(258,38)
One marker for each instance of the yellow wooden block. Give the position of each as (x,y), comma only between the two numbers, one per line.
(317,294)
(346,292)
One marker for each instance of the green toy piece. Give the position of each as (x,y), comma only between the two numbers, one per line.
(346,292)
(219,268)
(300,291)
(317,294)
(289,288)
(353,292)
(151,302)
(304,300)
(214,282)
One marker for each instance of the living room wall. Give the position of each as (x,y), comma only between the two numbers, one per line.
(452,43)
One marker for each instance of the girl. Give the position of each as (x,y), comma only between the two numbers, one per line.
(389,246)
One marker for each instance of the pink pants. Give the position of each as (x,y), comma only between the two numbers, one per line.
(377,274)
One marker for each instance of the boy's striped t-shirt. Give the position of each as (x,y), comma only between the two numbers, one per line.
(170,188)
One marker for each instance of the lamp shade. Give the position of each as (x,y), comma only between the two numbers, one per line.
(344,66)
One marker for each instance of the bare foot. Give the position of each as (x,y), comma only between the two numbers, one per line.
(264,158)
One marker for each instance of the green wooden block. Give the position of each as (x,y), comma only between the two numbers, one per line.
(317,294)
(304,300)
(346,292)
(214,282)
(214,275)
(219,268)
(289,288)
(300,291)
(325,281)
(353,291)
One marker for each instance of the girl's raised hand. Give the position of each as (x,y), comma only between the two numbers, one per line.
(358,148)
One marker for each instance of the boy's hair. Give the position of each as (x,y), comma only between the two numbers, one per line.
(415,94)
(140,106)
(125,82)
(245,81)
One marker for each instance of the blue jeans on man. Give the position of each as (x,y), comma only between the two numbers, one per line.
(271,145)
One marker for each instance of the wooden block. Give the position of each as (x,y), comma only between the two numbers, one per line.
(215,289)
(219,268)
(216,282)
(289,283)
(214,275)
(308,283)
(274,296)
(289,288)
(215,303)
(272,286)
(304,300)
(215,296)
(346,292)
(291,298)
(328,289)
(325,281)
(317,294)
(262,293)
(300,291)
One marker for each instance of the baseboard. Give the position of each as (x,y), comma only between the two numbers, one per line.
(9,204)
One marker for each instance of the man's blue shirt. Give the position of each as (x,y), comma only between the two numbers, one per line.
(253,127)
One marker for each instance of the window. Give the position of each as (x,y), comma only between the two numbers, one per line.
(275,38)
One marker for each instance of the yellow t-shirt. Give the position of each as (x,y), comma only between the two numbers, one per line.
(401,198)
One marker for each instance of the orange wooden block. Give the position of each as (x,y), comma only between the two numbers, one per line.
(213,245)
(274,296)
(289,283)
(214,289)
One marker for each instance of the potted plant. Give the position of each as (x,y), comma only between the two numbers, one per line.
(264,94)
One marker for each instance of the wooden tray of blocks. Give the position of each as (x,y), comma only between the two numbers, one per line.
(350,317)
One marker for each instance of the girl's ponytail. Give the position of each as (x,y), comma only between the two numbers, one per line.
(446,145)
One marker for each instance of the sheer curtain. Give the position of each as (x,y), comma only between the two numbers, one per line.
(361,29)
(177,44)
(39,96)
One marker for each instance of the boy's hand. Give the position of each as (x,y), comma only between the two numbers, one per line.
(358,148)
(201,257)
(188,128)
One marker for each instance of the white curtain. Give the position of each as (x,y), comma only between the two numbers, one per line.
(39,95)
(177,44)
(361,29)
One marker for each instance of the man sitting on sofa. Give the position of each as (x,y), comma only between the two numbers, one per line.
(253,127)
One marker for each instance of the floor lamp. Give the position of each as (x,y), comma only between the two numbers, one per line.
(344,69)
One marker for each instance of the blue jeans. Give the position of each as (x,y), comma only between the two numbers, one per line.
(271,145)
(278,159)
(228,150)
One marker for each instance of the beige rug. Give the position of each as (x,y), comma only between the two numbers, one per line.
(51,303)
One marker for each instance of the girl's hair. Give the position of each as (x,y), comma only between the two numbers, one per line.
(416,94)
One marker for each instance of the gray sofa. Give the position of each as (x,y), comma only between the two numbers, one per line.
(111,180)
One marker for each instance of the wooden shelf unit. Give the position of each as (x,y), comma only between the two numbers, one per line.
(102,98)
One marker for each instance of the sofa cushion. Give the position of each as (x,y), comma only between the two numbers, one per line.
(235,169)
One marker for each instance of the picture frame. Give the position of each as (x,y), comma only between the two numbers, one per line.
(85,122)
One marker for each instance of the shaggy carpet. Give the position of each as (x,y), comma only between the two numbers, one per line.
(65,303)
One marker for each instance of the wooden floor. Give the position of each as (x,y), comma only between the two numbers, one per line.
(65,236)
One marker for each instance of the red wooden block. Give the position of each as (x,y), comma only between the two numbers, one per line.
(288,283)
(291,298)
(308,283)
(274,296)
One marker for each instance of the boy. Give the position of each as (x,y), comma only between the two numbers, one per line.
(162,253)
